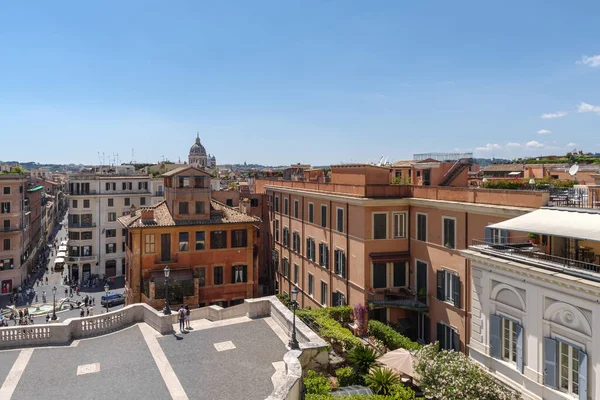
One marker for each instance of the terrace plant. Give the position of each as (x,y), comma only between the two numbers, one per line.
(363,358)
(382,380)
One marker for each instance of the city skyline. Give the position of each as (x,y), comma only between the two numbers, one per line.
(322,84)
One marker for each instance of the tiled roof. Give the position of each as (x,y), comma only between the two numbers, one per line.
(176,171)
(503,168)
(219,214)
(407,163)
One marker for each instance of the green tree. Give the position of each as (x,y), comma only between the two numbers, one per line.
(382,380)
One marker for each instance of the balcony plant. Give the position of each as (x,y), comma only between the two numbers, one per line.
(534,238)
(382,380)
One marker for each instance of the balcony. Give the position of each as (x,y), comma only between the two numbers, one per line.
(520,249)
(11,228)
(397,298)
(158,259)
(82,225)
(159,193)
(189,189)
(82,259)
(584,197)
(82,192)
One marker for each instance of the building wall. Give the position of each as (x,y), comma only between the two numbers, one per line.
(16,233)
(546,304)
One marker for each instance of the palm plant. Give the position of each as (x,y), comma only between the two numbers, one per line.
(363,358)
(382,380)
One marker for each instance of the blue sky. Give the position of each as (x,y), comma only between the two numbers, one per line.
(279,82)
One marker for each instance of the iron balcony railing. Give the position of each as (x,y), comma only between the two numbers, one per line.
(159,259)
(397,298)
(82,225)
(159,193)
(11,228)
(587,197)
(442,156)
(521,249)
(82,192)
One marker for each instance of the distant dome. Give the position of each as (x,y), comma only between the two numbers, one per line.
(197,148)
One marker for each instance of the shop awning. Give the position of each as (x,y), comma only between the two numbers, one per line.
(62,248)
(63,243)
(515,173)
(59,260)
(181,274)
(575,223)
(61,254)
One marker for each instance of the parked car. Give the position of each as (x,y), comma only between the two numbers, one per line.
(113,299)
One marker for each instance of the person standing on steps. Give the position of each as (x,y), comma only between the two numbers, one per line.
(181,315)
(187,317)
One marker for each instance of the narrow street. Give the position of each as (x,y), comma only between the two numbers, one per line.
(55,279)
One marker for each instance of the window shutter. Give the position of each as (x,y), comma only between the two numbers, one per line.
(583,368)
(308,248)
(488,235)
(321,254)
(495,330)
(519,329)
(440,285)
(343,263)
(334,299)
(455,341)
(232,274)
(550,350)
(456,290)
(326,256)
(440,335)
(245,273)
(427,329)
(504,235)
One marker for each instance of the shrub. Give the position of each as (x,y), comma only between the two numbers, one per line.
(382,380)
(363,358)
(285,299)
(345,376)
(401,392)
(316,383)
(392,339)
(449,374)
(328,328)
(341,314)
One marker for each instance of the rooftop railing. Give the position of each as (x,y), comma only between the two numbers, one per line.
(442,156)
(520,249)
(585,197)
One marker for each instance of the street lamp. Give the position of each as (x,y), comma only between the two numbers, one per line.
(167,309)
(106,288)
(54,304)
(293,341)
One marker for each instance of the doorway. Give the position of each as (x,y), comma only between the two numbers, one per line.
(111,268)
(421,281)
(165,247)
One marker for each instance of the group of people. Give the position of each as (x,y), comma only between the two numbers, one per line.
(184,316)
(21,317)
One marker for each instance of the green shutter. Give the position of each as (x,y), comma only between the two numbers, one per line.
(583,369)
(519,330)
(441,285)
(550,362)
(495,330)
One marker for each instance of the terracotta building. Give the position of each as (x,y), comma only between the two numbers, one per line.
(360,239)
(209,247)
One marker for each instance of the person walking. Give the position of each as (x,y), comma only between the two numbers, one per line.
(188,316)
(47,317)
(81,312)
(181,315)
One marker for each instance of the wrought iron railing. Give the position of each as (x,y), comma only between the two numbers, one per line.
(583,197)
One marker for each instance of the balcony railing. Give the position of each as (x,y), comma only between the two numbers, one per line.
(397,298)
(82,225)
(82,192)
(588,197)
(160,260)
(159,193)
(11,228)
(520,249)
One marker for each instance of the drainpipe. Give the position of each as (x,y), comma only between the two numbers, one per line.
(467,286)
(140,255)
(302,258)
(347,253)
(290,263)
(331,242)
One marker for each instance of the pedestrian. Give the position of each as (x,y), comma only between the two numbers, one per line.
(31,319)
(91,310)
(47,317)
(81,313)
(181,315)
(187,317)
(66,292)
(12,318)
(88,312)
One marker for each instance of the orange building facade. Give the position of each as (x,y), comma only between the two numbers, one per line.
(210,248)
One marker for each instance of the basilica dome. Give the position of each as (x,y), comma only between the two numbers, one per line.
(197,149)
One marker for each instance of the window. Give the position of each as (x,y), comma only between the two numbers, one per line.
(286,236)
(324,216)
(496,235)
(285,264)
(310,249)
(6,190)
(87,250)
(218,239)
(229,202)
(286,205)
(311,213)
(111,202)
(200,207)
(509,340)
(87,235)
(448,337)
(73,235)
(379,275)
(112,217)
(323,255)
(568,368)
(5,209)
(253,202)
(6,245)
(324,294)
(340,220)
(218,276)
(123,185)
(448,287)
(565,367)
(399,274)
(107,186)
(277,230)
(111,248)
(86,204)
(142,201)
(449,233)
(239,274)
(338,299)
(183,208)
(74,252)
(184,241)
(340,263)
(7,224)
(201,273)
(379,225)
(296,272)
(422,227)
(311,281)
(149,244)
(296,209)
(399,221)
(74,204)
(111,233)
(296,242)
(74,219)
(276,203)
(239,238)
(200,240)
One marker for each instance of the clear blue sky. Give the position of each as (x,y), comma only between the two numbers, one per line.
(278,82)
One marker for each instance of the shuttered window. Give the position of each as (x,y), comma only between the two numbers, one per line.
(448,287)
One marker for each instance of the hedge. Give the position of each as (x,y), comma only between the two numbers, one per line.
(390,338)
(327,327)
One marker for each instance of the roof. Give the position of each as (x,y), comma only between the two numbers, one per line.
(177,171)
(571,223)
(503,168)
(219,214)
(406,163)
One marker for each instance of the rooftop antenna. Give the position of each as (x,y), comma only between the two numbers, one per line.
(573,170)
(132,156)
(380,161)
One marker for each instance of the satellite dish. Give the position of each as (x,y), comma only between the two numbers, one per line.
(573,170)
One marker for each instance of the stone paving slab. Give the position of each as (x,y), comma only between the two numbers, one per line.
(126,371)
(7,359)
(242,373)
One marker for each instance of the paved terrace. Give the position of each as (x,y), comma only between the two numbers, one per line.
(224,356)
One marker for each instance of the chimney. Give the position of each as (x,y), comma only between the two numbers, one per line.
(147,214)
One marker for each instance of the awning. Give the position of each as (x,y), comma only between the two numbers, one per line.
(400,360)
(181,274)
(576,224)
(59,260)
(62,248)
(390,256)
(515,173)
(61,254)
(63,243)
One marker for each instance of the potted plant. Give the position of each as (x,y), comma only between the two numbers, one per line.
(534,238)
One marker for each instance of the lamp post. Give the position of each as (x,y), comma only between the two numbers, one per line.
(167,309)
(54,304)
(293,341)
(106,288)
